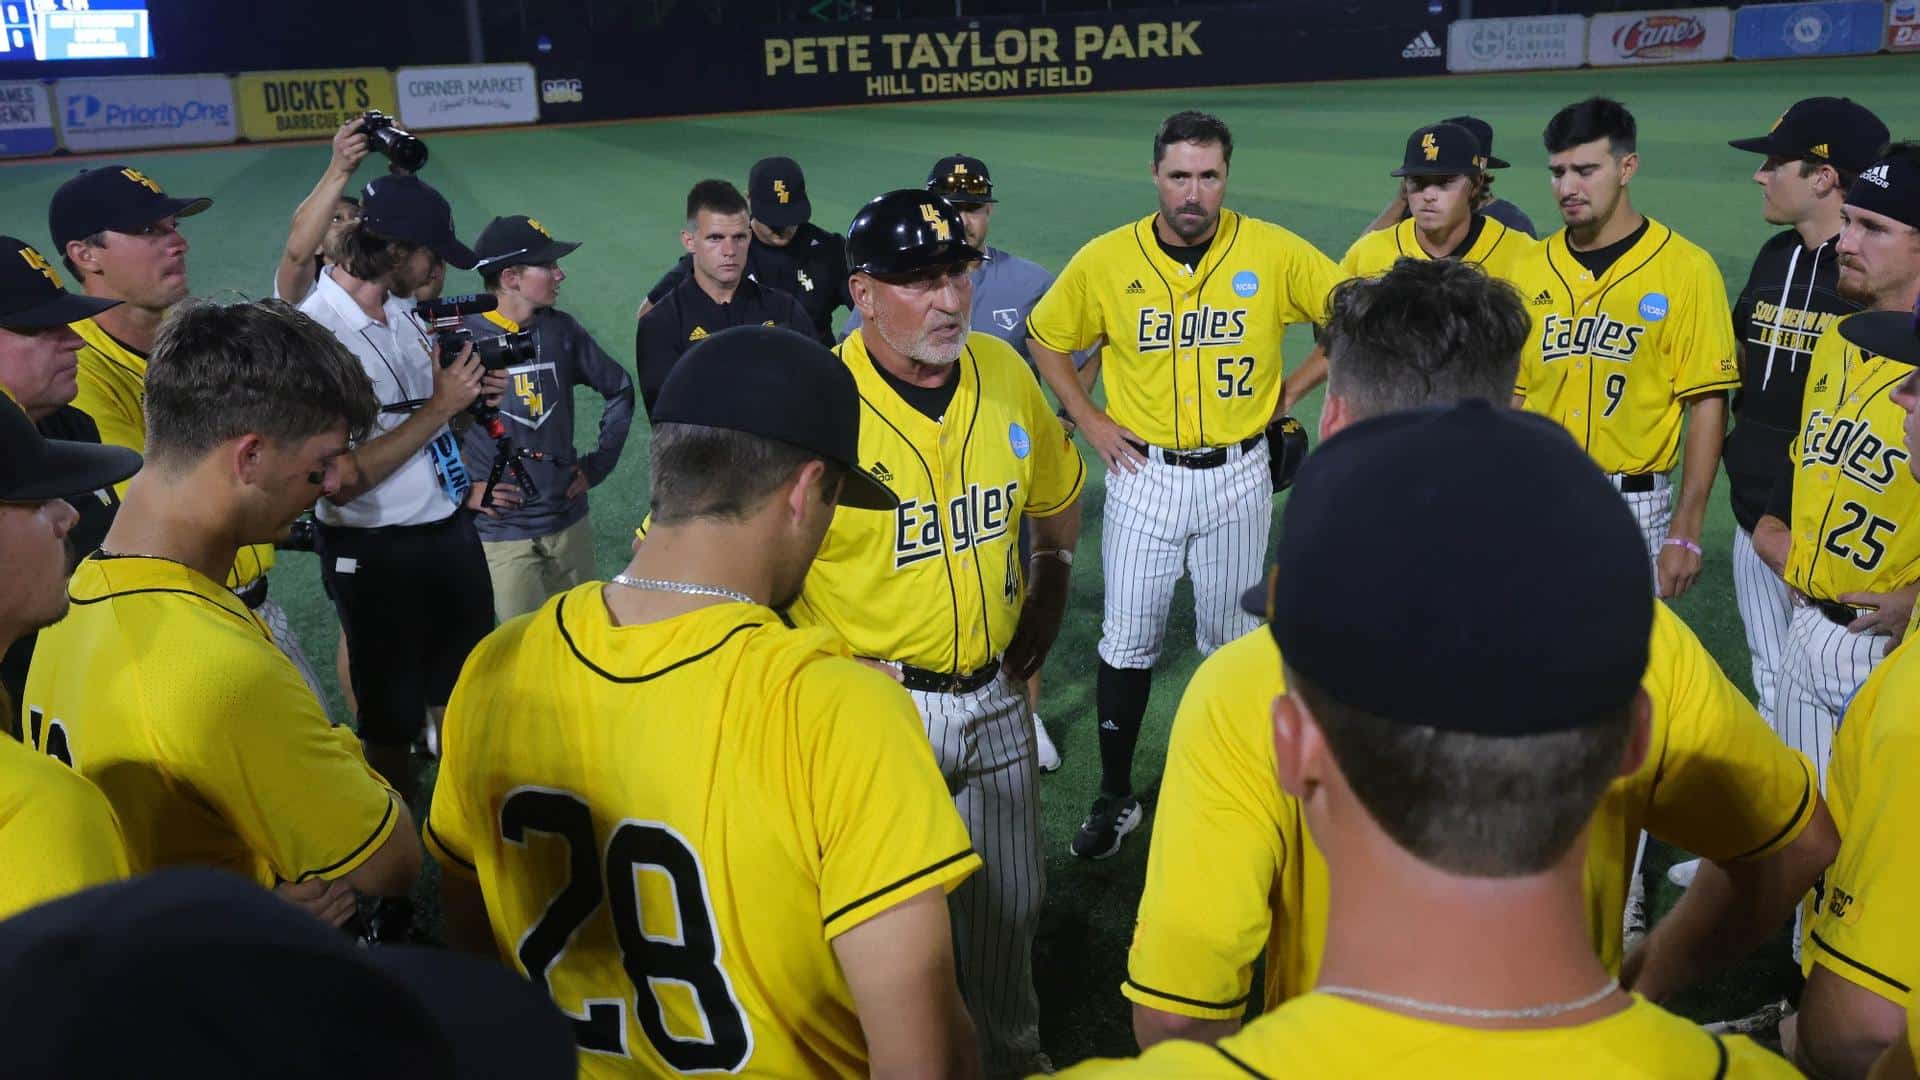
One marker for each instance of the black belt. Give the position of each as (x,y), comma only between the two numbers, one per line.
(253,593)
(1836,612)
(1637,483)
(941,682)
(426,528)
(1210,458)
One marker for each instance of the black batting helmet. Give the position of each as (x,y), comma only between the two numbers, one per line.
(907,230)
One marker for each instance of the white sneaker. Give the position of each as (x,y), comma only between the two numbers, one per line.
(1048,753)
(1634,926)
(1681,873)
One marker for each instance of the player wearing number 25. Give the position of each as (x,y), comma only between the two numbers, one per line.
(1631,333)
(720,844)
(1841,525)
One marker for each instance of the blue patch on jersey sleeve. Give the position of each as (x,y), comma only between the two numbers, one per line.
(1017,437)
(1653,306)
(1246,283)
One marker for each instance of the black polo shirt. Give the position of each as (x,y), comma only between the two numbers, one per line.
(812,269)
(686,315)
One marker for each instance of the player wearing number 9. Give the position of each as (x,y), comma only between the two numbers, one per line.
(720,844)
(1841,526)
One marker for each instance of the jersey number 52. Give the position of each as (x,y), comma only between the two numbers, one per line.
(692,958)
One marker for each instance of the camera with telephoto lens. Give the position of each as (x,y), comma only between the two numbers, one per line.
(400,146)
(496,353)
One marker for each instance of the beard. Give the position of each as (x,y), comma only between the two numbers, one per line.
(1190,222)
(919,348)
(1853,286)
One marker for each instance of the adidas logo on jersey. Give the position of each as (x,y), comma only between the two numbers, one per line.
(699,334)
(1421,48)
(1543,299)
(1820,385)
(882,473)
(1135,289)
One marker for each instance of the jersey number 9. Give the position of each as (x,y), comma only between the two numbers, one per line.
(690,958)
(1616,387)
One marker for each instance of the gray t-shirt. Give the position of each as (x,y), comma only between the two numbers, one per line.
(538,410)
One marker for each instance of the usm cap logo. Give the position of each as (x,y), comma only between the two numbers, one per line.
(1430,147)
(940,227)
(39,262)
(539,228)
(140,178)
(781,193)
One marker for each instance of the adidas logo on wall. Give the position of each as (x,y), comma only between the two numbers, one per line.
(1877,176)
(1135,288)
(1421,48)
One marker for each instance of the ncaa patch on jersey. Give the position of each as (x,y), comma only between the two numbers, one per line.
(1017,438)
(1653,306)
(1246,283)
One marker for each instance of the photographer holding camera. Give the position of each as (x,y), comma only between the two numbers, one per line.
(400,556)
(538,542)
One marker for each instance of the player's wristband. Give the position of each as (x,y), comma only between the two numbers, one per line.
(1675,541)
(1062,554)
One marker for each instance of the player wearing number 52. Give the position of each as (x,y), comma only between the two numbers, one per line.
(1631,334)
(1841,524)
(720,844)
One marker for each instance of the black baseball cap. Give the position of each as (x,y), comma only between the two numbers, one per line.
(772,382)
(518,241)
(1838,131)
(1482,131)
(32,296)
(1892,334)
(777,193)
(964,180)
(1489,508)
(1890,186)
(113,198)
(408,209)
(34,468)
(1442,150)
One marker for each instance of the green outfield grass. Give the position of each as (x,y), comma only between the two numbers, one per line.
(1314,158)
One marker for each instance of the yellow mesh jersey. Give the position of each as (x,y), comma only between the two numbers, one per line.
(1498,250)
(57,833)
(938,583)
(671,822)
(1611,358)
(1192,358)
(168,694)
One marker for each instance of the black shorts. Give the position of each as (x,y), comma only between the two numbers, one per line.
(414,600)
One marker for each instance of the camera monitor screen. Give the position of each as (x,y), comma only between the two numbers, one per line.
(74,30)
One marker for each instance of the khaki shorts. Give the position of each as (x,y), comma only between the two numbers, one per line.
(526,572)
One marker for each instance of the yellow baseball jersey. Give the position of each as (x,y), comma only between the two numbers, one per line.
(1856,505)
(1233,869)
(938,583)
(1192,357)
(113,392)
(1611,359)
(1498,250)
(671,822)
(1325,1036)
(1864,920)
(57,833)
(167,693)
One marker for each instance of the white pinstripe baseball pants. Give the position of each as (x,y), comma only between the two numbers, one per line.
(1821,669)
(1653,512)
(1167,519)
(1766,608)
(983,742)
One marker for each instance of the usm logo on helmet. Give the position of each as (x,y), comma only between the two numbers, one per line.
(539,228)
(1430,146)
(39,262)
(140,178)
(932,217)
(781,193)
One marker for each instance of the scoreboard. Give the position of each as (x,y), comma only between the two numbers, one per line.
(74,30)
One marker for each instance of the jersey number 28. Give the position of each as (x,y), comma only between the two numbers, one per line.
(691,958)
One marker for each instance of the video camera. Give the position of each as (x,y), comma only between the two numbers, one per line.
(495,353)
(400,146)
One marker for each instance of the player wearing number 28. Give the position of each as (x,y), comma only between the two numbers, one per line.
(720,844)
(1631,333)
(1841,525)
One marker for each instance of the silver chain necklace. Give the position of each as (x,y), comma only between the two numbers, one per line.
(687,587)
(1531,1012)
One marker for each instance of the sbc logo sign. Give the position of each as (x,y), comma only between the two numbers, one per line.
(561,91)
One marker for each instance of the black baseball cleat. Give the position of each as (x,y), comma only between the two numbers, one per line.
(1112,818)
